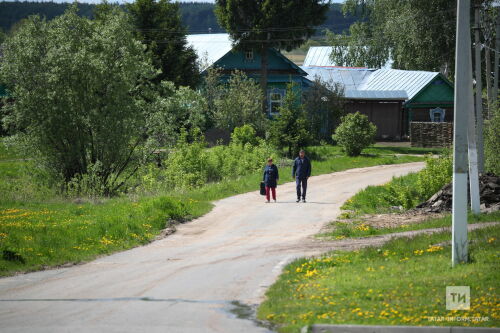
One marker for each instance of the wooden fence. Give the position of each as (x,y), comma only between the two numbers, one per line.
(430,134)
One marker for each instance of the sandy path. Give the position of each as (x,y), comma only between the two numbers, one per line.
(187,281)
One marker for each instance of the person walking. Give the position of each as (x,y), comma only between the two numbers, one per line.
(301,171)
(271,177)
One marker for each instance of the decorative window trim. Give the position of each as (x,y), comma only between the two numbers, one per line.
(276,102)
(249,56)
(437,115)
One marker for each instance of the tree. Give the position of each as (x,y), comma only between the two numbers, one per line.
(77,86)
(355,133)
(417,35)
(158,24)
(238,103)
(261,24)
(324,105)
(290,128)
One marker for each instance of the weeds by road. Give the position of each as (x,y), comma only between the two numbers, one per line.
(400,283)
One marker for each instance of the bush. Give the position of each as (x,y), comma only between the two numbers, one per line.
(243,135)
(492,143)
(437,173)
(355,133)
(191,164)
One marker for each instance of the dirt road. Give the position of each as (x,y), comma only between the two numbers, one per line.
(188,281)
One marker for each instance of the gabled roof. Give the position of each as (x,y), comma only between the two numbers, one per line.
(350,78)
(394,79)
(381,84)
(210,47)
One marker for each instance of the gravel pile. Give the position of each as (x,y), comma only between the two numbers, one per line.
(489,189)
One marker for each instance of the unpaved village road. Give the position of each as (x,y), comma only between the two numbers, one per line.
(188,281)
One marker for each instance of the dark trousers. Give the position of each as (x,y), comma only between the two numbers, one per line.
(301,182)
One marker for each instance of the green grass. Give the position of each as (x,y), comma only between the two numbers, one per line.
(47,230)
(401,283)
(362,228)
(380,199)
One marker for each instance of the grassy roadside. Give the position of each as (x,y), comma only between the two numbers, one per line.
(401,283)
(361,228)
(45,230)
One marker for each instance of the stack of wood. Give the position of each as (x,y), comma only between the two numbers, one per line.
(428,134)
(489,190)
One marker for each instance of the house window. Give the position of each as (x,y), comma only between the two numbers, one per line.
(249,55)
(275,100)
(437,115)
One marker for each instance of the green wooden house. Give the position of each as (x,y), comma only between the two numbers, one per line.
(216,50)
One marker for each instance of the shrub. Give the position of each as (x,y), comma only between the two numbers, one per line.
(492,143)
(437,173)
(355,133)
(243,135)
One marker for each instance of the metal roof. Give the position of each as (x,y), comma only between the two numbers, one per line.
(350,78)
(210,47)
(320,56)
(394,79)
(399,95)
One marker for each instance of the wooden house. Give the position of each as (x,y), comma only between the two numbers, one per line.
(216,50)
(390,98)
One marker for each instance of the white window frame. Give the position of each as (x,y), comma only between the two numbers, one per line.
(273,93)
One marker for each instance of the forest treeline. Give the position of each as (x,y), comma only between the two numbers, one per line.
(198,17)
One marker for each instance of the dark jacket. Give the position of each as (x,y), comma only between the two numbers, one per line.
(301,168)
(271,175)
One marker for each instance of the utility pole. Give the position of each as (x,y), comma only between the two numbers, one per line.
(479,93)
(463,101)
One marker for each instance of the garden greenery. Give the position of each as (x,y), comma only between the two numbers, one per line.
(191,164)
(355,133)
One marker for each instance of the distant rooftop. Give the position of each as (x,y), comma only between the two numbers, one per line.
(320,56)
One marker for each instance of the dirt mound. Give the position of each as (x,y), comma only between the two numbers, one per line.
(489,189)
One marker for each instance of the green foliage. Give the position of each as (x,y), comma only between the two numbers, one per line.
(492,143)
(237,103)
(191,165)
(437,173)
(401,30)
(290,128)
(324,106)
(355,133)
(243,135)
(406,191)
(174,109)
(159,26)
(77,89)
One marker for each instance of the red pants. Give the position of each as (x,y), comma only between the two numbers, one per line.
(270,189)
